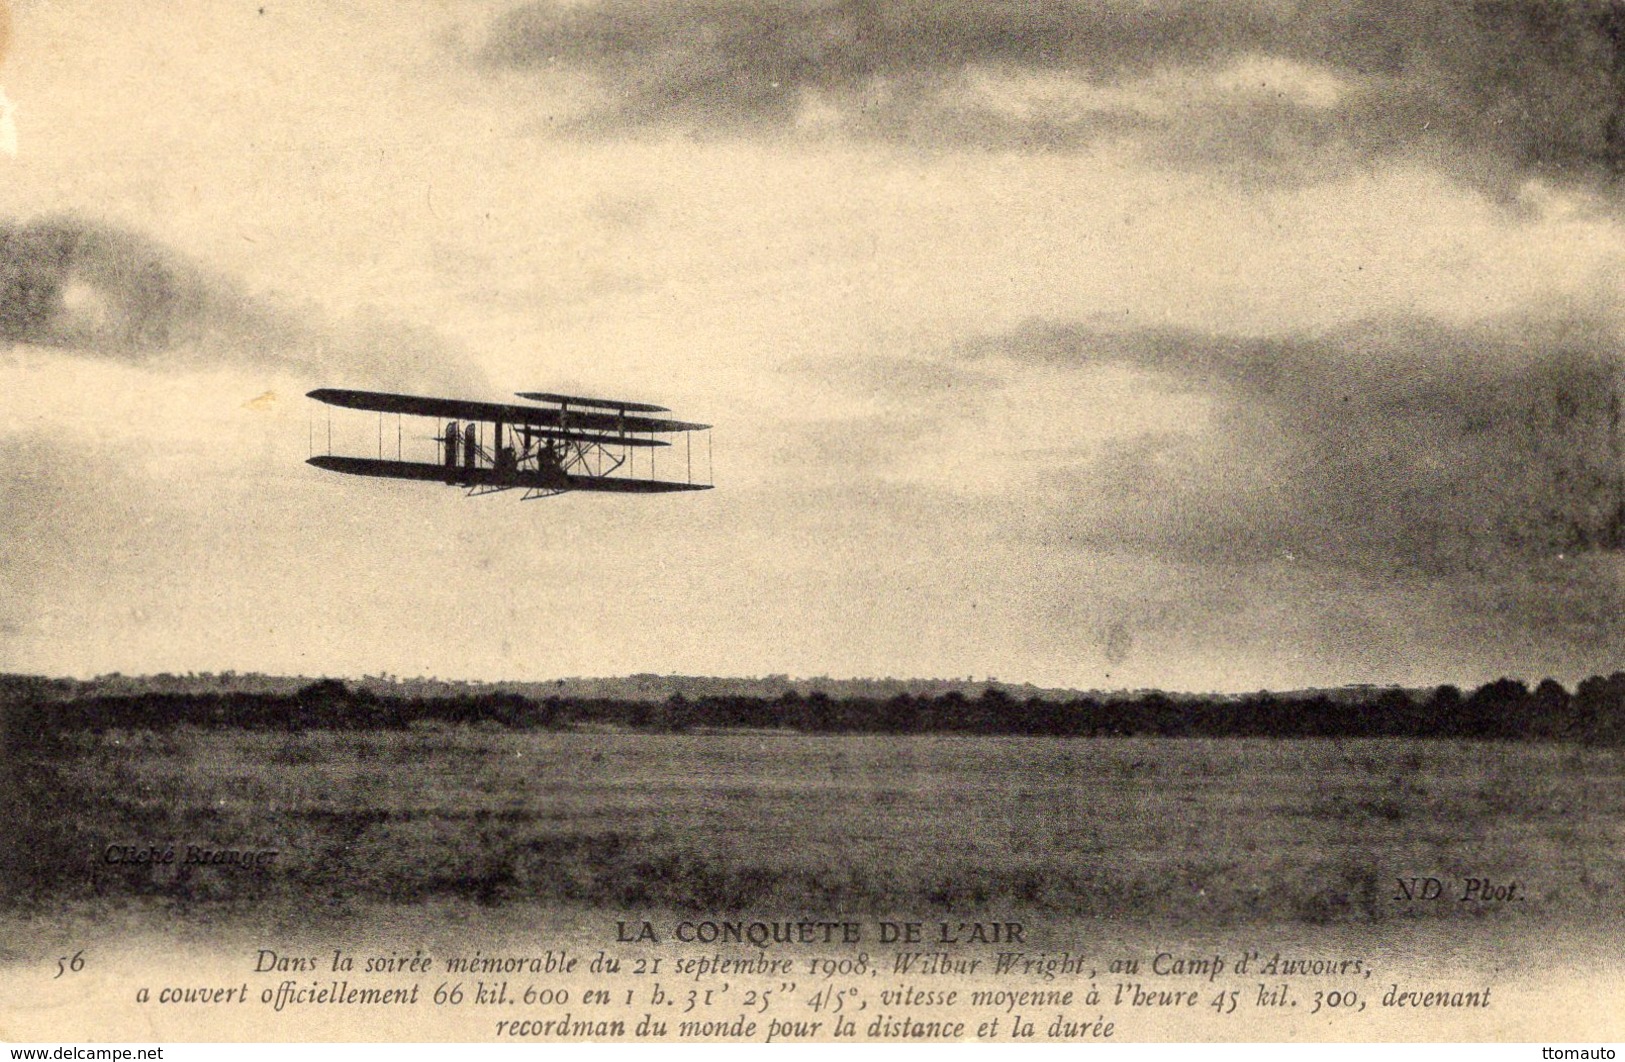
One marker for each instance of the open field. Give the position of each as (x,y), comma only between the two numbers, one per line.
(1195,831)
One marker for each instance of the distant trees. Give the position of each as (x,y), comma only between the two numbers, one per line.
(1501,710)
(1599,710)
(1495,710)
(1505,709)
(1444,711)
(1550,712)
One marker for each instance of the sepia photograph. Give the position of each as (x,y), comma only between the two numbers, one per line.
(988,521)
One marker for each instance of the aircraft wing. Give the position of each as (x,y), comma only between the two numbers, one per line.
(594,403)
(629,485)
(523,479)
(491,412)
(366,466)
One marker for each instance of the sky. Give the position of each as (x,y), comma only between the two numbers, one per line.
(1096,344)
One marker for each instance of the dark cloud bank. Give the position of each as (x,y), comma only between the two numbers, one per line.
(1402,444)
(1478,470)
(97,290)
(93,290)
(1530,88)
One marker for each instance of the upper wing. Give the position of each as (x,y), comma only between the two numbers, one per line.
(412,405)
(593,403)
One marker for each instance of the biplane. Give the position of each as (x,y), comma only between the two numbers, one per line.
(559,443)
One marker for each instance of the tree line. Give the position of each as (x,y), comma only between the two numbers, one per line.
(1506,709)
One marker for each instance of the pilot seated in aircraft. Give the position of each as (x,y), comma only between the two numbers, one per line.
(549,457)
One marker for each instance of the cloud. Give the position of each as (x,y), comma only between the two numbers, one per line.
(905,380)
(98,290)
(1528,89)
(93,288)
(1401,446)
(732,62)
(1393,498)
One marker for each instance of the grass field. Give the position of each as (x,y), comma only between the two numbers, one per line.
(1213,832)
